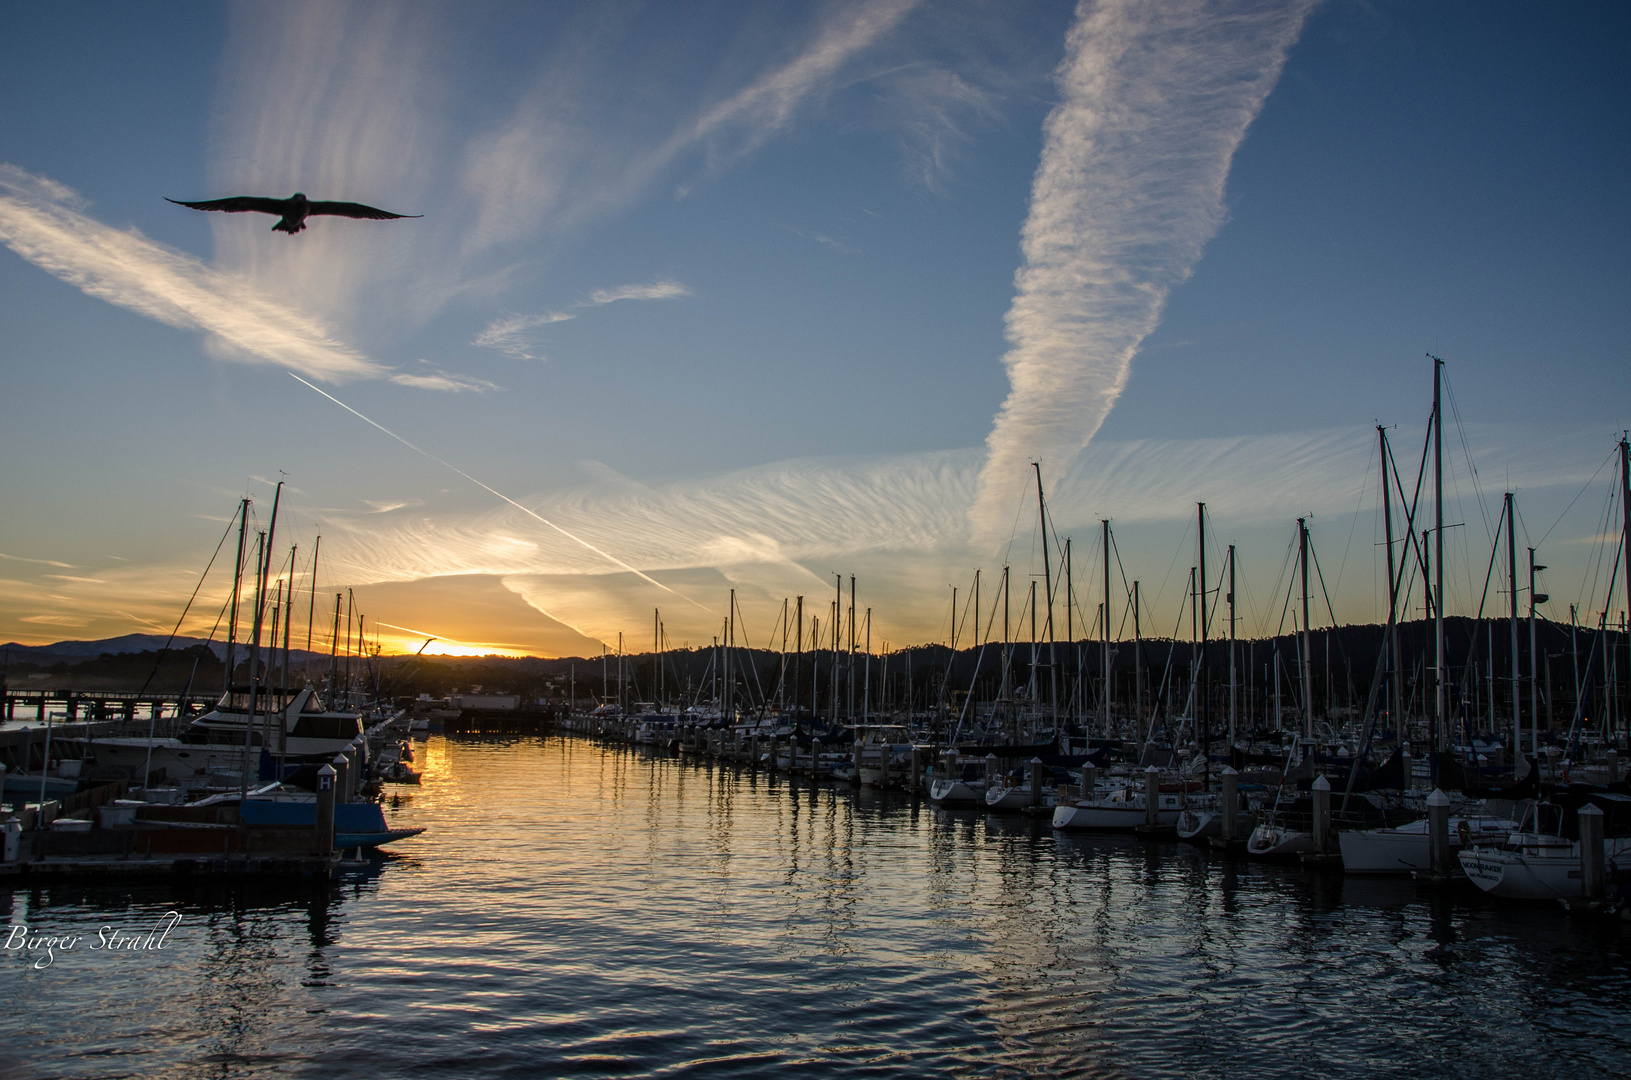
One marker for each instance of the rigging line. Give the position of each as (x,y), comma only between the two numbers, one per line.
(1494,550)
(613,559)
(1342,649)
(1409,508)
(177,629)
(1161,591)
(1354,525)
(1461,434)
(1285,565)
(1582,491)
(1594,564)
(1291,583)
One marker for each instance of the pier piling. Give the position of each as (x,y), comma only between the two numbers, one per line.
(1438,835)
(324,823)
(1321,791)
(1591,853)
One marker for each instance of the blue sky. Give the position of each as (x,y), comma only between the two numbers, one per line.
(747,295)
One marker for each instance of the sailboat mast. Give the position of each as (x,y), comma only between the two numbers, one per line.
(1105,525)
(837,641)
(866,687)
(1625,536)
(254,657)
(1233,711)
(1512,591)
(852,639)
(237,589)
(1138,663)
(1202,704)
(1047,585)
(1534,659)
(311,606)
(1392,644)
(1441,688)
(1306,659)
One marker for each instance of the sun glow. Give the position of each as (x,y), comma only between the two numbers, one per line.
(414,644)
(453,648)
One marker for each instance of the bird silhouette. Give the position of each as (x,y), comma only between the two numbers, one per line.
(293,211)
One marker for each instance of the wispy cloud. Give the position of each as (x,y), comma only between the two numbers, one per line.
(820,238)
(511,334)
(657,290)
(445,381)
(1154,101)
(743,122)
(41,562)
(44,222)
(935,111)
(385,506)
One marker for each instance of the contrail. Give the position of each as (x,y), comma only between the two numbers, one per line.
(1154,99)
(608,556)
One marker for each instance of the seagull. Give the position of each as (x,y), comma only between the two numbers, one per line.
(293,211)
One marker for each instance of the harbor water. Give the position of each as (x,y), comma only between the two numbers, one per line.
(577,910)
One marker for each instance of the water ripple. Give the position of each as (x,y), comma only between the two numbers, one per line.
(575,911)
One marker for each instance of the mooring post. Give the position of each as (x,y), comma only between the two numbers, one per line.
(1438,833)
(1592,864)
(916,782)
(324,823)
(342,778)
(1321,791)
(815,758)
(1037,771)
(1152,798)
(1090,779)
(1231,804)
(856,754)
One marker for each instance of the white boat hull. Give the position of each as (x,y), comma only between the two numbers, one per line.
(957,792)
(1277,842)
(1537,873)
(1199,824)
(1105,815)
(1406,849)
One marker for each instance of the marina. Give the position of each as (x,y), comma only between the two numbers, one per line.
(751,923)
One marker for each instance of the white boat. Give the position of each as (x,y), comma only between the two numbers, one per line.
(1202,819)
(953,792)
(1540,863)
(1122,810)
(1404,850)
(214,744)
(1274,840)
(1017,797)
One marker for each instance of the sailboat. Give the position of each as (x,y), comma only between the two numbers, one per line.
(1542,860)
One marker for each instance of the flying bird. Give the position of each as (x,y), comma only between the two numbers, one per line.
(293,211)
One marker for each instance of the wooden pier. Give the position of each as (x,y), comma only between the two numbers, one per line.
(70,706)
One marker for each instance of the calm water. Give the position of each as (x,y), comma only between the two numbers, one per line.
(576,911)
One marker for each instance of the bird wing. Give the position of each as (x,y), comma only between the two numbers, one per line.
(354,210)
(239,204)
